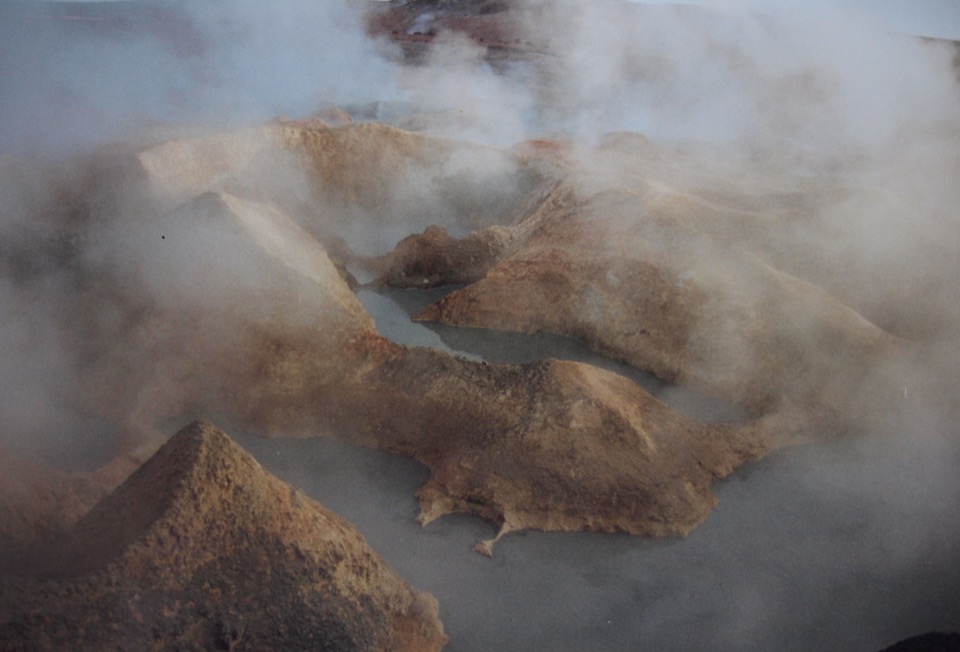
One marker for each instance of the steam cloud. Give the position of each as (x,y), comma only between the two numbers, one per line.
(821,93)
(80,79)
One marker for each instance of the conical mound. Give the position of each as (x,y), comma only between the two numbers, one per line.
(201,548)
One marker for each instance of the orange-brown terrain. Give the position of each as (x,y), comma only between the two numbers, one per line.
(248,319)
(228,305)
(200,548)
(213,274)
(222,305)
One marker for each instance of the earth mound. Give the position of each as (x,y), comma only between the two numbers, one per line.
(202,549)
(660,288)
(225,306)
(288,349)
(361,184)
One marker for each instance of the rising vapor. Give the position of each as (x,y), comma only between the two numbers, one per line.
(192,192)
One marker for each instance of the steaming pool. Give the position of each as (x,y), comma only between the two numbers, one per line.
(839,545)
(843,544)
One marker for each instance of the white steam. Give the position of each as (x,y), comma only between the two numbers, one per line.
(834,96)
(78,82)
(827,82)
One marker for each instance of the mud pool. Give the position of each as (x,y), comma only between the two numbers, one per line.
(843,545)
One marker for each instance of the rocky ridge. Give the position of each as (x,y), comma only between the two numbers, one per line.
(235,310)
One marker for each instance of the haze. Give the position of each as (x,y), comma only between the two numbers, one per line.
(841,544)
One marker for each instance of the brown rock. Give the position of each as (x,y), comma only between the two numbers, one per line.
(259,329)
(366,182)
(493,24)
(40,504)
(646,287)
(232,310)
(550,445)
(437,258)
(202,549)
(567,446)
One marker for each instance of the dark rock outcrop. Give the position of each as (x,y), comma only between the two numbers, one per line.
(932,642)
